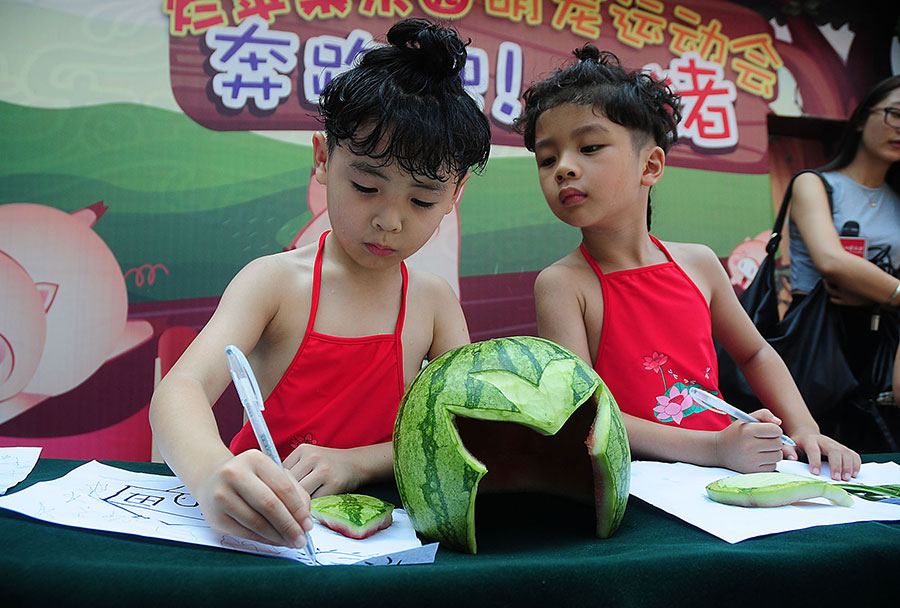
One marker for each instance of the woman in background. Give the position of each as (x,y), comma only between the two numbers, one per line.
(865,177)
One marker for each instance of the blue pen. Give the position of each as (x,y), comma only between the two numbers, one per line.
(251,398)
(711,402)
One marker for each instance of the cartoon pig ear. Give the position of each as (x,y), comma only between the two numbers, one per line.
(90,214)
(48,293)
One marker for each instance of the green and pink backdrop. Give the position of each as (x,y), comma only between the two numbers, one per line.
(150,149)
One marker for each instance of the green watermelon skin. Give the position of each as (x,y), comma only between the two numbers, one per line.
(438,478)
(611,460)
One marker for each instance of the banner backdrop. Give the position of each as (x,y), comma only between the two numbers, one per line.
(238,67)
(148,150)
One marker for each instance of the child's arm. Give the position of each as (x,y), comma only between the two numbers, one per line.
(246,495)
(434,317)
(560,311)
(765,371)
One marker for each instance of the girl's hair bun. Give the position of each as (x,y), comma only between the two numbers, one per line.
(587,53)
(429,45)
(405,102)
(591,53)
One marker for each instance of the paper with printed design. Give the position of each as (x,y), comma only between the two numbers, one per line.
(101,497)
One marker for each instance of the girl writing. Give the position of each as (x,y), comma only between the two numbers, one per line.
(336,329)
(644,312)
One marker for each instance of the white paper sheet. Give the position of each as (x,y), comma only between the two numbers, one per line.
(680,489)
(15,465)
(100,497)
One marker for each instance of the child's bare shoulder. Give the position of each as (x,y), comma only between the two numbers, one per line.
(425,286)
(285,265)
(565,274)
(702,265)
(274,278)
(696,255)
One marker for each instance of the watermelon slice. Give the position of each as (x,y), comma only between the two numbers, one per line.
(353,515)
(774,490)
(535,412)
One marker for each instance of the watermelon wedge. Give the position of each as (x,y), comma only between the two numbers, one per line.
(353,515)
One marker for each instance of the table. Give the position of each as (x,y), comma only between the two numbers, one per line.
(532,550)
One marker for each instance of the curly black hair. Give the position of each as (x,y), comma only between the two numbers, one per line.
(633,99)
(404,102)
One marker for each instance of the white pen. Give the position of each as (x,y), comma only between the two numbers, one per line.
(711,402)
(251,398)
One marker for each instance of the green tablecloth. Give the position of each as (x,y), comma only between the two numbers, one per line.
(533,549)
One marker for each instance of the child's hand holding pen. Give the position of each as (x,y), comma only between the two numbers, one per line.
(250,496)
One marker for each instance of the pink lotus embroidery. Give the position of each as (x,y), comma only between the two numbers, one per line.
(673,405)
(655,361)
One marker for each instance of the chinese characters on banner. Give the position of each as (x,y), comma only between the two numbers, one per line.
(708,117)
(261,64)
(251,63)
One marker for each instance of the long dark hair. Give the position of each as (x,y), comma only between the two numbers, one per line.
(852,135)
(405,102)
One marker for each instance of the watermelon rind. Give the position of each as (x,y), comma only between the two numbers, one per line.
(611,459)
(524,380)
(774,489)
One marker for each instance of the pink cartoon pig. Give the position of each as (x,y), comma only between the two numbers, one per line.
(55,333)
(745,258)
(23,327)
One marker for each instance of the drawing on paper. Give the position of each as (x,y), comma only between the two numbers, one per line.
(101,497)
(173,506)
(15,465)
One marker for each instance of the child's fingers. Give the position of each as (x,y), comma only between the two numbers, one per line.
(856,465)
(234,528)
(789,452)
(844,463)
(314,470)
(241,518)
(314,482)
(262,511)
(764,415)
(836,464)
(814,455)
(768,431)
(294,457)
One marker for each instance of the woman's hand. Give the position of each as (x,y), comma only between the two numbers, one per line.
(844,297)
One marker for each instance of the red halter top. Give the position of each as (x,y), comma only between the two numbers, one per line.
(338,392)
(656,343)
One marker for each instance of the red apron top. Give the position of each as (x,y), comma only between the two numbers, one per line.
(338,392)
(656,343)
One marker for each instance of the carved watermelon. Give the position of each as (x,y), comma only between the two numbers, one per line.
(453,425)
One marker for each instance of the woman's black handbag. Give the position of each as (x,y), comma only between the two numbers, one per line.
(810,340)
